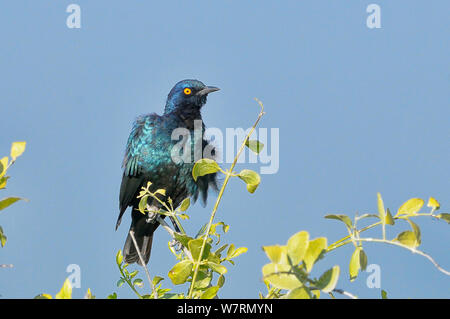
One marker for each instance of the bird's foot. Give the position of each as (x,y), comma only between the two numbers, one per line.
(151,217)
(175,244)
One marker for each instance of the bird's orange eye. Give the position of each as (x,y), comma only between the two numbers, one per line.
(187,91)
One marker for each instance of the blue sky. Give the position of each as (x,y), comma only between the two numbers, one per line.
(359,111)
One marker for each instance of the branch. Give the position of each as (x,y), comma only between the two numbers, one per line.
(413,250)
(155,295)
(345,293)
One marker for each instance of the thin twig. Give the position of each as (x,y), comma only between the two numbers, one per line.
(155,295)
(413,250)
(345,293)
(342,241)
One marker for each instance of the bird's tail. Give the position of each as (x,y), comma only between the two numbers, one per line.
(130,254)
(143,233)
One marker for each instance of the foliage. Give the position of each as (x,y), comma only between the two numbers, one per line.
(65,293)
(289,273)
(17,149)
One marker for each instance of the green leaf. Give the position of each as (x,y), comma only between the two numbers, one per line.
(17,149)
(157,279)
(343,218)
(408,238)
(297,246)
(251,178)
(221,281)
(381,210)
(182,238)
(444,216)
(66,291)
(299,293)
(3,181)
(217,268)
(120,282)
(315,248)
(327,282)
(230,250)
(354,265)
(255,145)
(89,294)
(195,246)
(410,207)
(384,294)
(3,238)
(366,216)
(416,231)
(3,165)
(138,282)
(173,296)
(119,257)
(315,293)
(160,191)
(202,230)
(238,252)
(277,254)
(388,218)
(433,203)
(180,272)
(43,296)
(210,293)
(8,201)
(185,204)
(220,249)
(203,167)
(203,280)
(214,232)
(278,276)
(143,203)
(358,262)
(363,260)
(214,258)
(112,296)
(384,214)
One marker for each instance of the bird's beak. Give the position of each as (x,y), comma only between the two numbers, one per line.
(207,90)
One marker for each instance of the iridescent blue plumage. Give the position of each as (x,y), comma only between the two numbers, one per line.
(148,157)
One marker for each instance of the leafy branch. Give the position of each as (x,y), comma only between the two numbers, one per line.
(289,273)
(17,149)
(409,239)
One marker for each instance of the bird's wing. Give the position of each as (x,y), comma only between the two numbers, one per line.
(142,137)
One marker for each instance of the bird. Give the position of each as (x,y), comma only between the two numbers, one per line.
(148,158)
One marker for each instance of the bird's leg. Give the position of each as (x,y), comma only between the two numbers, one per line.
(175,243)
(175,225)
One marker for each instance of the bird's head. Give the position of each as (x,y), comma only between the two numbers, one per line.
(188,94)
